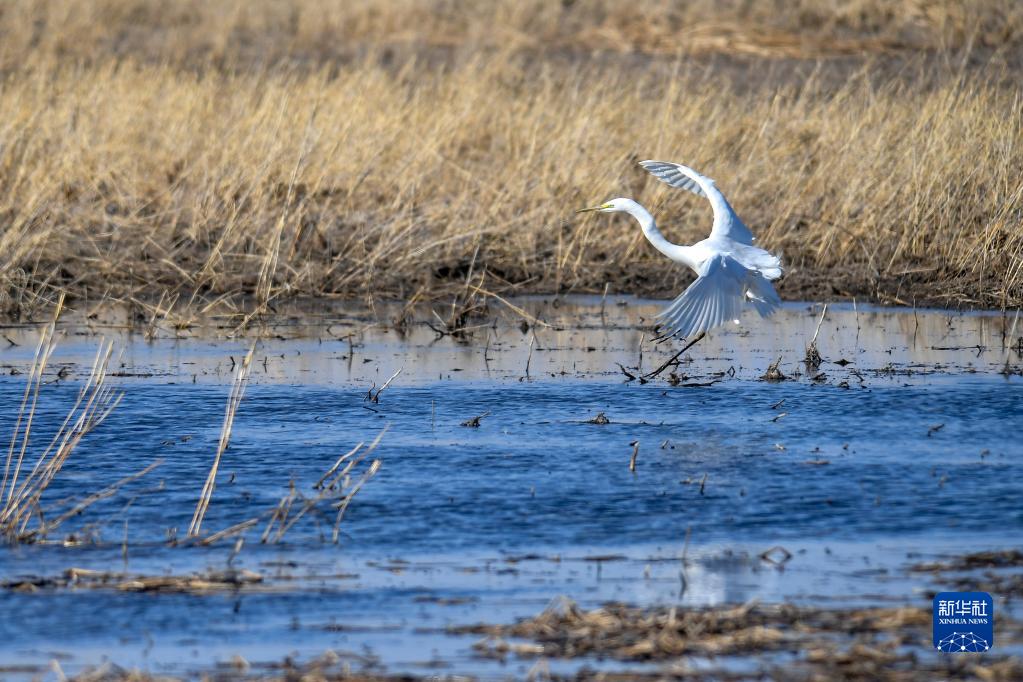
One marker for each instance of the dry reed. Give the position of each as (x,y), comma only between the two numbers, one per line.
(821,643)
(336,487)
(241,377)
(21,491)
(217,151)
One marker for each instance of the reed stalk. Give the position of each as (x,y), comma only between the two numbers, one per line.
(241,376)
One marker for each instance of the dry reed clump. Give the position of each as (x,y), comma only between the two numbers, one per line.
(124,174)
(28,471)
(852,643)
(335,489)
(996,572)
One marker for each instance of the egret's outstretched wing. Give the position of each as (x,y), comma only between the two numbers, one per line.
(718,295)
(677,175)
(726,222)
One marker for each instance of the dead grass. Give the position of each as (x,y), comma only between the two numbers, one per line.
(222,152)
(877,643)
(206,582)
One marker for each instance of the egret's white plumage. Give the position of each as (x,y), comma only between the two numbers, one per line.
(731,272)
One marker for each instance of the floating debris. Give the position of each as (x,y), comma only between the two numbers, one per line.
(601,418)
(674,359)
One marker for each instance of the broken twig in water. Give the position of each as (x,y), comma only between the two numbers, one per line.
(375,397)
(675,357)
(629,376)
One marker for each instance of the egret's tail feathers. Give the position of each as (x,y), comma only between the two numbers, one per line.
(718,295)
(754,258)
(762,296)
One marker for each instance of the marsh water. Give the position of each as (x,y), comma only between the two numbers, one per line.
(902,446)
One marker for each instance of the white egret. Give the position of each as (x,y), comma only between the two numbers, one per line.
(731,271)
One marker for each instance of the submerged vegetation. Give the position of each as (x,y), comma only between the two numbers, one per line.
(210,153)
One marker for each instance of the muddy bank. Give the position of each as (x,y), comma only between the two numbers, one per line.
(532,337)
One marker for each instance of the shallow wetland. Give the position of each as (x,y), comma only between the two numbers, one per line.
(844,487)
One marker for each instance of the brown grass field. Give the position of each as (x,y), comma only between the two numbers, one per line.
(223,152)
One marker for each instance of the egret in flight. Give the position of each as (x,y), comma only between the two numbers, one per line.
(731,271)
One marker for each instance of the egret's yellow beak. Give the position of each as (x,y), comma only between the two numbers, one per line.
(593,208)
